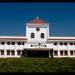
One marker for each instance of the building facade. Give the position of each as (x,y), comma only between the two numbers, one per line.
(37,43)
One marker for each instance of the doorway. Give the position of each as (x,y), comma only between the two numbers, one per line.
(34,53)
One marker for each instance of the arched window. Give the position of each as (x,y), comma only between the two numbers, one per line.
(19,43)
(32,35)
(65,43)
(71,43)
(55,43)
(61,43)
(37,29)
(8,43)
(2,42)
(13,43)
(42,35)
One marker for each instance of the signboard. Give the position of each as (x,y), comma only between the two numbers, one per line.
(39,45)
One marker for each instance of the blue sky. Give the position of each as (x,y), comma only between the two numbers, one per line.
(61,17)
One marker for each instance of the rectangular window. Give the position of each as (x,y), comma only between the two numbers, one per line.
(71,52)
(8,52)
(32,35)
(65,52)
(42,35)
(55,53)
(18,52)
(61,52)
(12,52)
(2,52)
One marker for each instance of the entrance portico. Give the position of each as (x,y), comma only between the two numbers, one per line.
(37,52)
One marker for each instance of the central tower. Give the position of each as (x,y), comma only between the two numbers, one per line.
(37,31)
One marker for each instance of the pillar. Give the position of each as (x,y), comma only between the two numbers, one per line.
(68,53)
(68,50)
(15,53)
(5,53)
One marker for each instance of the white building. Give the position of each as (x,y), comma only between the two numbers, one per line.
(37,42)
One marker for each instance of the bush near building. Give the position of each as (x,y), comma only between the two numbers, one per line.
(37,64)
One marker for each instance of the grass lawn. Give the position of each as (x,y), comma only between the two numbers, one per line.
(37,64)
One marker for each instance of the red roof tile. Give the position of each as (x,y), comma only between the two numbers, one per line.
(37,21)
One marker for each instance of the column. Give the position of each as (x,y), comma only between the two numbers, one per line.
(58,50)
(58,53)
(5,53)
(15,53)
(68,53)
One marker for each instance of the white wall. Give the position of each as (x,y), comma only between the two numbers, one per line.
(37,35)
